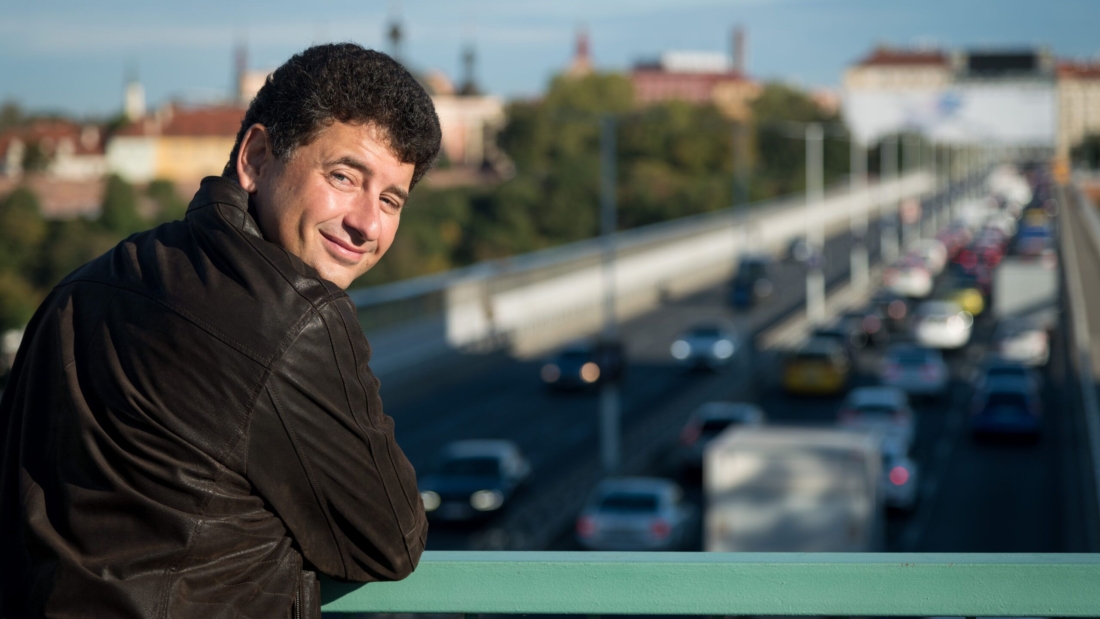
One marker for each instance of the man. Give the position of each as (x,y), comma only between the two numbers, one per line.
(190,428)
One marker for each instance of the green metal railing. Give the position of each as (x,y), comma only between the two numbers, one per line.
(574,583)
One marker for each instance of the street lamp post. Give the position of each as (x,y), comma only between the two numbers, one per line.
(815,224)
(858,183)
(888,173)
(610,400)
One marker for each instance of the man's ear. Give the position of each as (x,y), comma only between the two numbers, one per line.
(254,158)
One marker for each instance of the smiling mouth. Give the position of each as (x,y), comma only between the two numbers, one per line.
(343,251)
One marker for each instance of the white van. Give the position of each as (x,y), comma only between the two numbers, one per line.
(793,489)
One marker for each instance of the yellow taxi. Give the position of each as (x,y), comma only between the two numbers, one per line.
(820,367)
(970,299)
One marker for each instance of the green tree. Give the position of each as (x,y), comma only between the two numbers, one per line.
(1087,152)
(11,115)
(22,230)
(119,213)
(170,206)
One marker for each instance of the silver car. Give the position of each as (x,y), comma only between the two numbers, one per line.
(634,513)
(706,346)
(916,370)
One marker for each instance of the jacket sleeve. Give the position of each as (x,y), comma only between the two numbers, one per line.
(323,456)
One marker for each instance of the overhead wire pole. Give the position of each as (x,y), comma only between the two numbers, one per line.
(860,260)
(908,145)
(610,401)
(888,173)
(815,223)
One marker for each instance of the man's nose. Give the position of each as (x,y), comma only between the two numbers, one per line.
(364,221)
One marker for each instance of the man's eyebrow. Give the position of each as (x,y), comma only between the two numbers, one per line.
(352,162)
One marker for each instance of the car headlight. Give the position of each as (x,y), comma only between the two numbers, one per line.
(431,500)
(723,349)
(590,372)
(486,500)
(680,350)
(550,373)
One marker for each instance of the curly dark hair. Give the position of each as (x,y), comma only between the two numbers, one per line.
(347,83)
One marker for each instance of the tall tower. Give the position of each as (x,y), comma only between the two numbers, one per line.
(133,104)
(240,71)
(469,60)
(739,50)
(395,33)
(582,59)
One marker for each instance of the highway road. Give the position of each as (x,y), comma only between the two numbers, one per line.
(981,497)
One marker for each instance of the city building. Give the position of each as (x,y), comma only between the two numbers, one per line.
(176,143)
(65,150)
(1078,103)
(698,77)
(996,98)
(887,68)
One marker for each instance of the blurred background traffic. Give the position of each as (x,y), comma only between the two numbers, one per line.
(787,276)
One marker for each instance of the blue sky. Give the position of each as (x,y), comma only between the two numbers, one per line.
(72,55)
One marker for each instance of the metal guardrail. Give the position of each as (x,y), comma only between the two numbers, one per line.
(576,583)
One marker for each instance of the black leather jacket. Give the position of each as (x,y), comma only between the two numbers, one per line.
(189,417)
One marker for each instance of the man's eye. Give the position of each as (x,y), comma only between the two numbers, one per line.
(340,177)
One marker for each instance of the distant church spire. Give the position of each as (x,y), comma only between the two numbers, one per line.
(395,33)
(133,104)
(582,59)
(469,61)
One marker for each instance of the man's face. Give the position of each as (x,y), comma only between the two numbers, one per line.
(336,202)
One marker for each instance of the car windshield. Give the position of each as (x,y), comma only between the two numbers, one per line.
(875,411)
(709,332)
(1006,399)
(714,426)
(1007,372)
(911,356)
(750,270)
(575,356)
(628,503)
(480,466)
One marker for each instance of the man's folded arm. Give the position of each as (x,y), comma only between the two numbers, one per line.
(323,455)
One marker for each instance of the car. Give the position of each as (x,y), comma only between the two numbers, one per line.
(933,253)
(820,367)
(871,322)
(706,346)
(753,281)
(894,307)
(847,331)
(583,365)
(942,324)
(880,409)
(798,250)
(1024,340)
(910,277)
(634,513)
(917,370)
(994,367)
(968,290)
(473,479)
(1007,407)
(710,420)
(900,484)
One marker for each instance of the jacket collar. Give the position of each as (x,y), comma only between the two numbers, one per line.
(221,190)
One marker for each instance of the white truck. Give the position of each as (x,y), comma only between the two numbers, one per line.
(793,489)
(1027,288)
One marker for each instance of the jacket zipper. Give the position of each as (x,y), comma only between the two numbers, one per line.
(298,604)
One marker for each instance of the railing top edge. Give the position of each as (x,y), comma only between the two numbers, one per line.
(802,558)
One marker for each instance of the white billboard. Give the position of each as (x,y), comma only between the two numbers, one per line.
(1006,113)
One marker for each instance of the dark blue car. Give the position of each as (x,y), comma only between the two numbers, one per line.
(1007,407)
